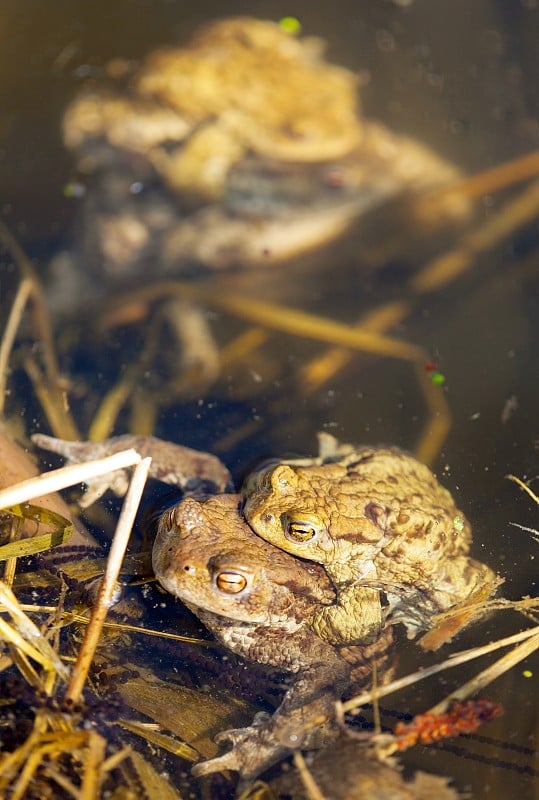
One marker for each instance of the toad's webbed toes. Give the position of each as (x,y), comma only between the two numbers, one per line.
(171,463)
(249,757)
(220,764)
(82,452)
(234,736)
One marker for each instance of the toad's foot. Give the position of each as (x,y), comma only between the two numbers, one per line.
(304,720)
(356,618)
(258,747)
(254,750)
(171,463)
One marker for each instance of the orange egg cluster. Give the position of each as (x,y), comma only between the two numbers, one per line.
(464,717)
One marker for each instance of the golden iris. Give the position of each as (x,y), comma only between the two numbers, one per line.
(298,530)
(230,582)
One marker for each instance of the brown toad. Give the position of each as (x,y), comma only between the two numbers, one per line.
(259,601)
(376,518)
(199,153)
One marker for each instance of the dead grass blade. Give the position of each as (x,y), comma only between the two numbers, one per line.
(154,785)
(26,636)
(155,737)
(62,530)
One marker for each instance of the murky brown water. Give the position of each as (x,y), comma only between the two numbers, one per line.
(460,76)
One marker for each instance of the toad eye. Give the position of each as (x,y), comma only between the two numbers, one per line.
(230,582)
(298,530)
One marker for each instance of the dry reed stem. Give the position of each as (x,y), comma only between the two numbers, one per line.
(66,476)
(55,400)
(50,745)
(452,661)
(482,679)
(112,403)
(438,424)
(109,580)
(301,323)
(115,759)
(14,638)
(388,745)
(10,566)
(54,776)
(323,367)
(110,406)
(92,775)
(40,312)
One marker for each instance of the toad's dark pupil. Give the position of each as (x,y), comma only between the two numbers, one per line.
(298,531)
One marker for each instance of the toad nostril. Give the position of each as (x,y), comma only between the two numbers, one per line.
(267,518)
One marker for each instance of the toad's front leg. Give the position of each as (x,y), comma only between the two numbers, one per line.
(355,619)
(171,463)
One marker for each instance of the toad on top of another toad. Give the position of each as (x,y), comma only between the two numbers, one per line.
(259,601)
(229,125)
(240,85)
(375,518)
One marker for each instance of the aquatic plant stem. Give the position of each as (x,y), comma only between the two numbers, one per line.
(15,315)
(311,787)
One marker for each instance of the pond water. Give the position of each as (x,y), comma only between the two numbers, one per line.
(459,76)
